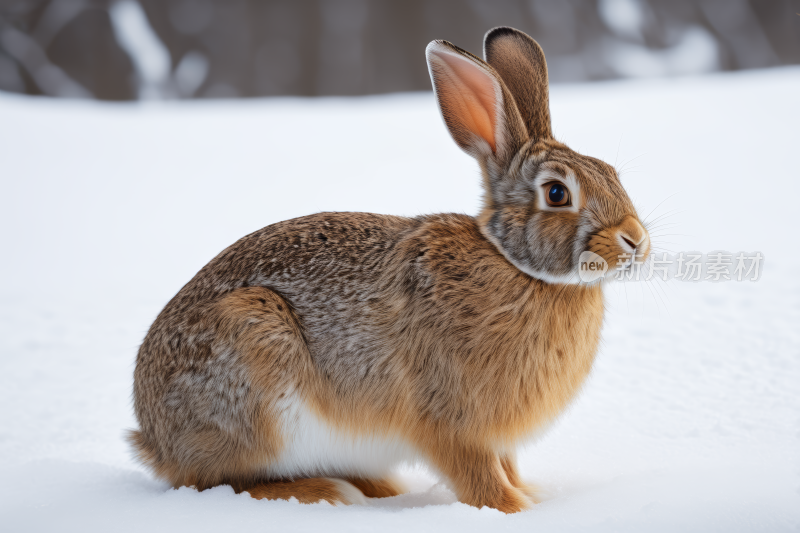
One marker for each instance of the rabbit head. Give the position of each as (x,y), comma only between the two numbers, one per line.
(544,204)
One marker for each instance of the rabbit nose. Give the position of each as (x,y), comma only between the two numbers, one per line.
(628,241)
(631,235)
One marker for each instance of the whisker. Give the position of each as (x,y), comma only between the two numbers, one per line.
(662,225)
(658,236)
(632,170)
(627,302)
(641,292)
(656,295)
(662,249)
(659,205)
(620,171)
(665,216)
(662,286)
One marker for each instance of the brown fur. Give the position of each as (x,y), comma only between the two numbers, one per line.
(309,490)
(509,464)
(378,488)
(425,330)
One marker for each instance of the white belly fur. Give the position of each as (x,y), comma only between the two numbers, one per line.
(314,448)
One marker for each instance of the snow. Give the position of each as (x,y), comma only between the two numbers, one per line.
(690,420)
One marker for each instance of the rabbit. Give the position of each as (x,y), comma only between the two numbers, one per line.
(312,357)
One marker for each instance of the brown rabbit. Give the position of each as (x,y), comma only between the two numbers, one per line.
(313,356)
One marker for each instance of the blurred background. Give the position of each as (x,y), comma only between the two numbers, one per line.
(177,49)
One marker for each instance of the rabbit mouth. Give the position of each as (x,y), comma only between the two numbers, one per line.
(624,246)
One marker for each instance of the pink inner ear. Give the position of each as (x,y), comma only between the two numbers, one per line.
(469,93)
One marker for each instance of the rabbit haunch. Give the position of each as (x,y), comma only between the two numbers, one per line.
(340,344)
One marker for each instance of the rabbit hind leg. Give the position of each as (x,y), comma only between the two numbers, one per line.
(509,464)
(225,429)
(267,332)
(309,490)
(379,488)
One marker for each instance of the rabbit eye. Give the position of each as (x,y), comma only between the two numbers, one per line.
(557,195)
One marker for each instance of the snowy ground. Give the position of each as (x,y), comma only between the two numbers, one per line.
(690,421)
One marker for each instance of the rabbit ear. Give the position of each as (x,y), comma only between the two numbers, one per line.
(476,106)
(519,60)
